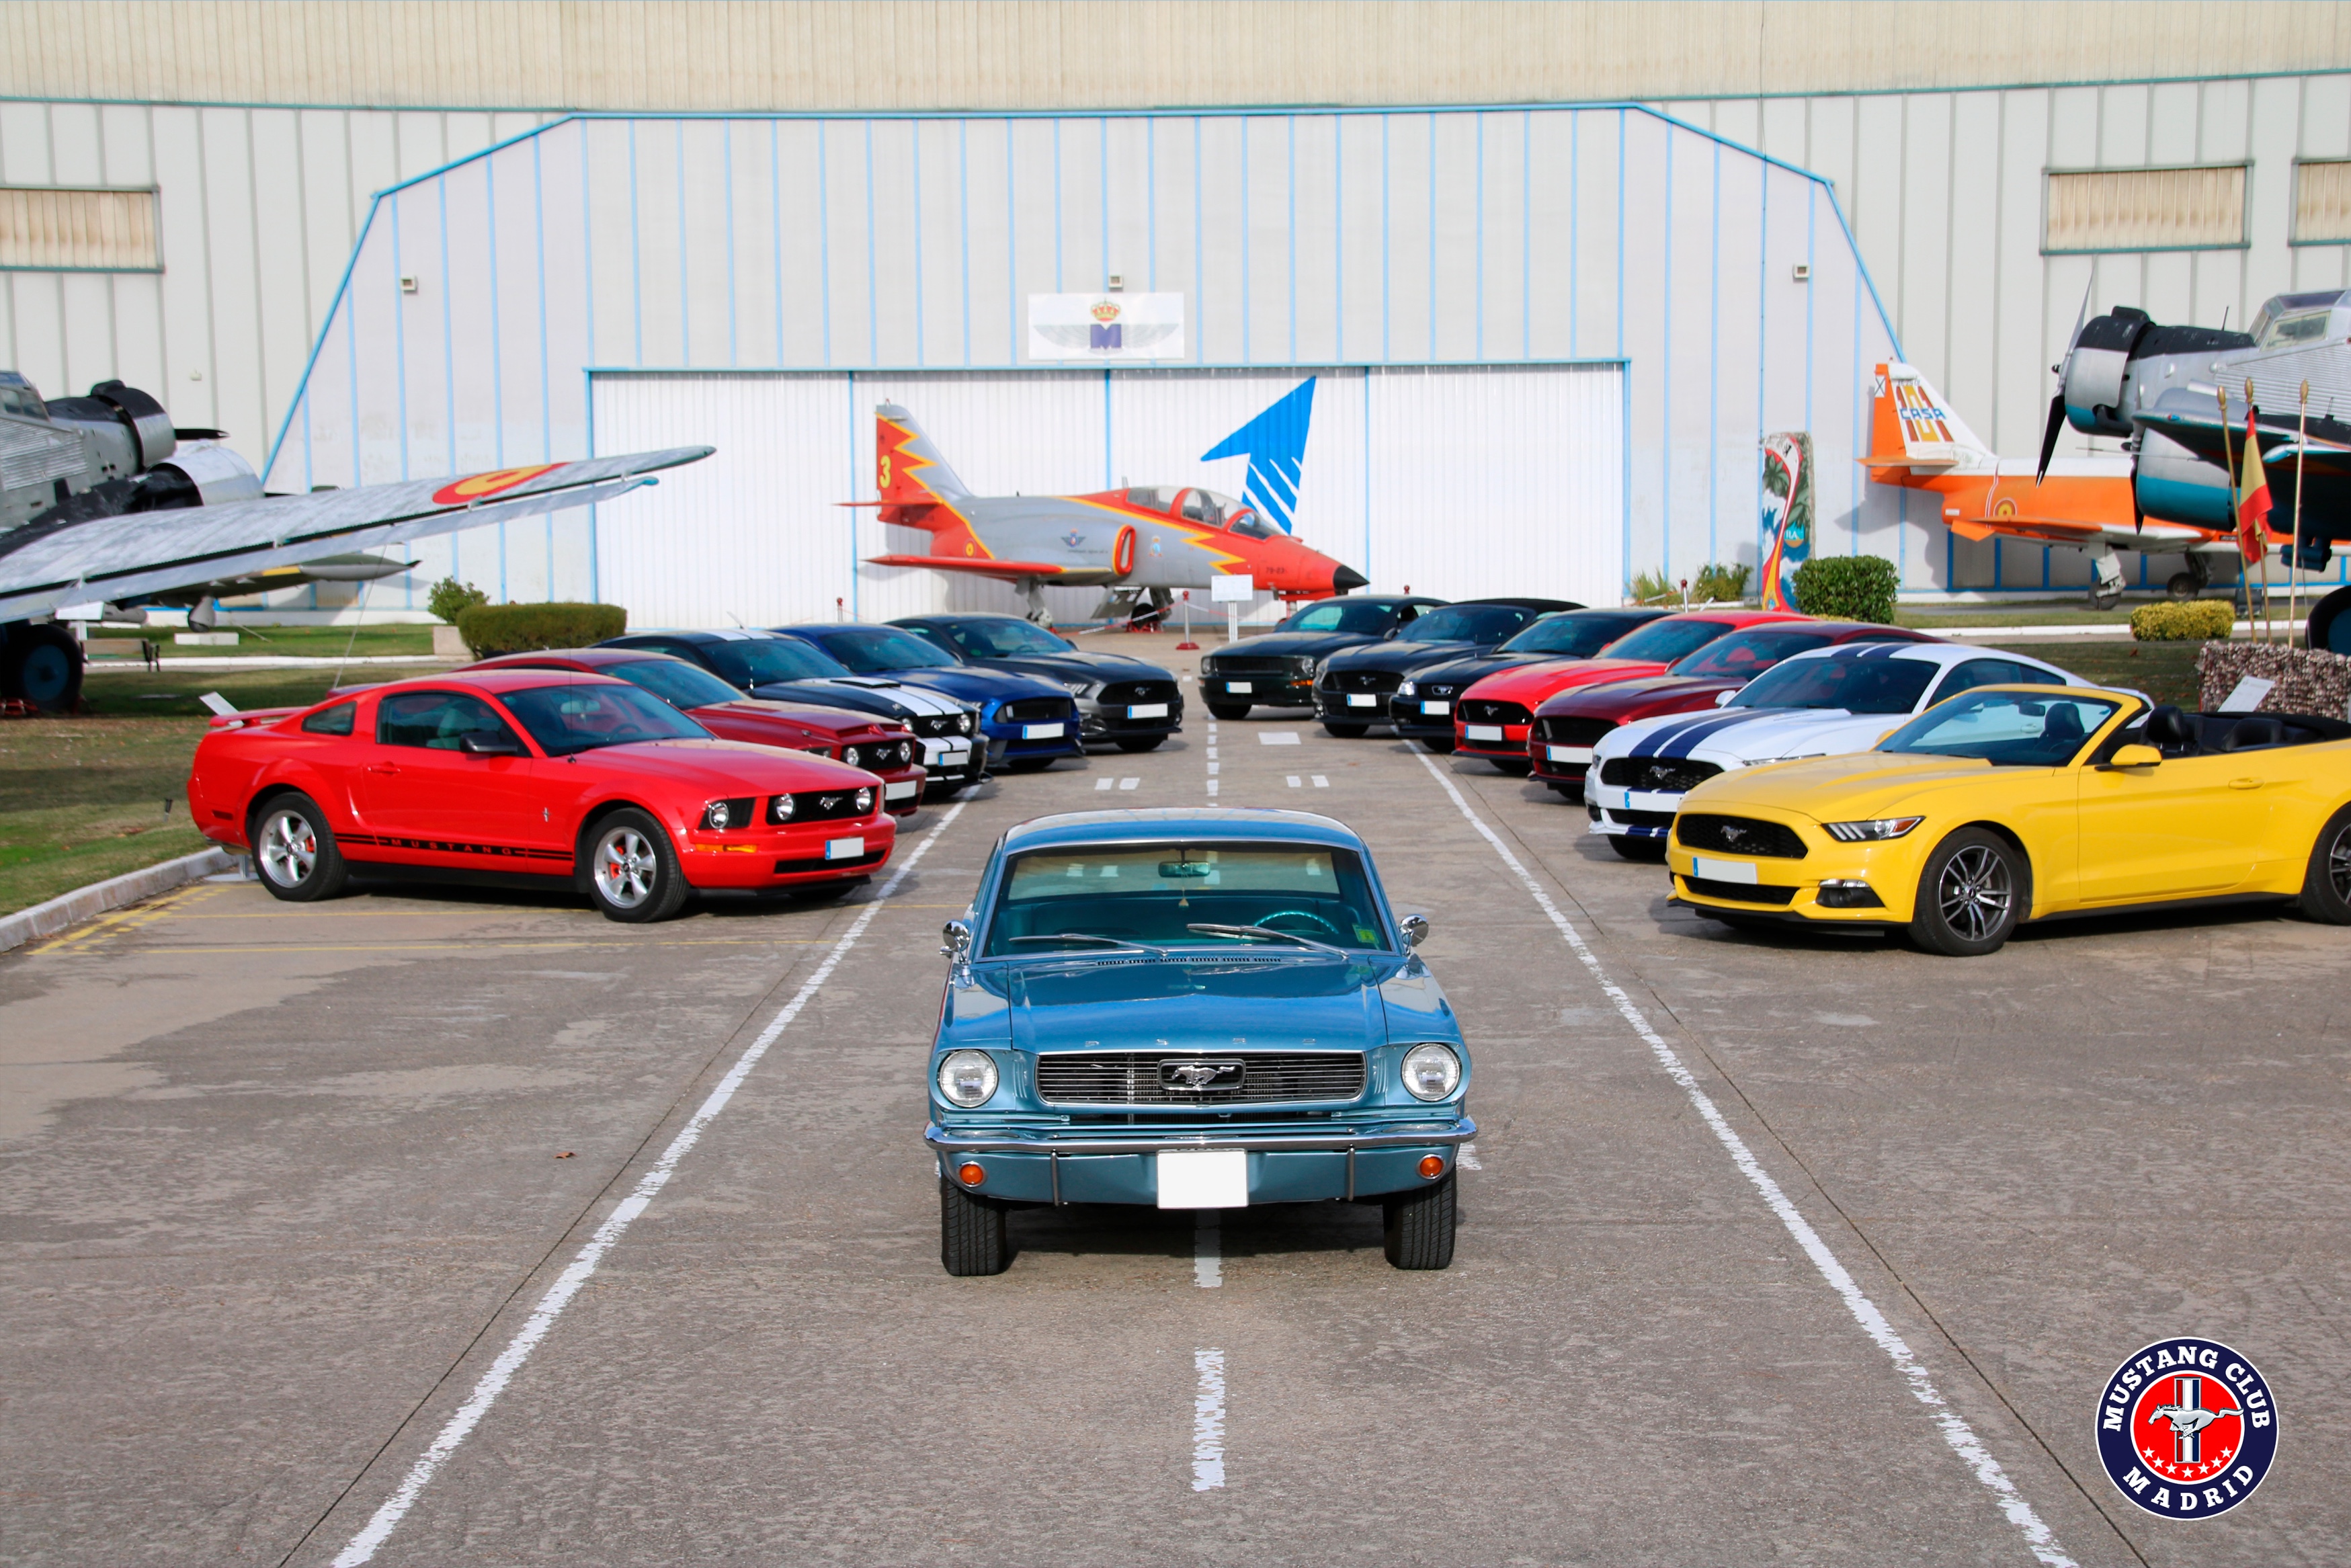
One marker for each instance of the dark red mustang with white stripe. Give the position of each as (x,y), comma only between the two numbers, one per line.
(555,777)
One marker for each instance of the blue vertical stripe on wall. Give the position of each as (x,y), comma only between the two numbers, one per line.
(588,330)
(1763,340)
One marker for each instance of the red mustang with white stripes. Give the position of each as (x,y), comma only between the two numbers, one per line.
(545,776)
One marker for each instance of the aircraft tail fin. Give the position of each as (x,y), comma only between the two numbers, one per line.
(1912,427)
(909,473)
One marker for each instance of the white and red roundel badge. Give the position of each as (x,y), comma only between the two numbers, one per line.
(2187,1428)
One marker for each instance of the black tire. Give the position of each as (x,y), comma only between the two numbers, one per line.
(973,1238)
(1141,743)
(1229,711)
(1029,764)
(1649,851)
(1975,888)
(294,850)
(2183,585)
(1442,746)
(42,664)
(1347,731)
(2326,885)
(1516,766)
(1420,1227)
(2104,600)
(628,869)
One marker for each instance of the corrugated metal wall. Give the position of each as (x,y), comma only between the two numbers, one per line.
(1456,481)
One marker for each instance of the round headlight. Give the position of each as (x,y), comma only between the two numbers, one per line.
(714,815)
(965,723)
(779,809)
(864,801)
(1408,689)
(1431,1071)
(967,1078)
(851,756)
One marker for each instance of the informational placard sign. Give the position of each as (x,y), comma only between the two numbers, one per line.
(1232,588)
(1105,326)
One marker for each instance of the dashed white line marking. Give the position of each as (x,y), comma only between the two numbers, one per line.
(1213,768)
(1208,1420)
(1320,783)
(2038,1537)
(1106,783)
(1276,737)
(1469,1157)
(1212,785)
(1129,783)
(493,1383)
(1208,1250)
(1212,753)
(1294,783)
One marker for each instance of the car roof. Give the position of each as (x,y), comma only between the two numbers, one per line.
(585,658)
(1519,604)
(1945,653)
(1374,599)
(721,634)
(1736,615)
(498,682)
(1175,822)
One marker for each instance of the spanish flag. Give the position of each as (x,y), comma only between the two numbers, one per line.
(2252,496)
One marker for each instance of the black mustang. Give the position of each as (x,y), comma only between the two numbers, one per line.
(1278,670)
(1353,692)
(1421,707)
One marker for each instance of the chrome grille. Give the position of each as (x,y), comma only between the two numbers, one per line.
(1135,1077)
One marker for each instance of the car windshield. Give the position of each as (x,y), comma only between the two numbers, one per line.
(1358,617)
(1467,624)
(1746,654)
(2015,729)
(879,650)
(675,681)
(1153,895)
(1856,686)
(565,719)
(1578,634)
(758,660)
(1668,640)
(1003,637)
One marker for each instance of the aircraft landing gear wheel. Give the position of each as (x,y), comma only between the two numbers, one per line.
(294,850)
(2326,885)
(2184,585)
(42,664)
(2103,598)
(1419,1225)
(1347,731)
(972,1233)
(1229,711)
(1975,888)
(632,872)
(1649,850)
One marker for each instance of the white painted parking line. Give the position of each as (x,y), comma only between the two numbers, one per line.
(1106,783)
(1212,785)
(1294,783)
(2038,1537)
(1320,783)
(1208,1250)
(1276,737)
(1469,1157)
(1129,783)
(1212,752)
(1213,766)
(1208,1420)
(460,1426)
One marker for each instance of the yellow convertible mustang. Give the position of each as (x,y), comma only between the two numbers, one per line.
(2014,803)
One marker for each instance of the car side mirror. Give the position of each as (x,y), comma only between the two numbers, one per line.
(481,745)
(1722,699)
(2135,756)
(954,940)
(1415,928)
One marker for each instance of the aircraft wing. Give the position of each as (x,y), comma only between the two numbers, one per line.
(124,559)
(1008,570)
(2081,531)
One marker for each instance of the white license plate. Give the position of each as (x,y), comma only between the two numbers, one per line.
(1204,1179)
(1146,710)
(1436,710)
(901,790)
(1239,686)
(948,754)
(1040,731)
(1723,871)
(1362,699)
(849,849)
(1568,752)
(1482,731)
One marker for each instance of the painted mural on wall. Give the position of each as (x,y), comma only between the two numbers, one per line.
(1787,513)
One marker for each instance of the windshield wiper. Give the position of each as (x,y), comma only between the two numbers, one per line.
(1098,941)
(1244,931)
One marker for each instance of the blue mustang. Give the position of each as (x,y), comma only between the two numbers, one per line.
(1192,1009)
(1028,722)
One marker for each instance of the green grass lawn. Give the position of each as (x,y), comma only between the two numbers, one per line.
(82,799)
(164,694)
(305,642)
(2164,671)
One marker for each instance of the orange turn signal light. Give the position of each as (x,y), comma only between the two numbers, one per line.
(1432,1165)
(970,1175)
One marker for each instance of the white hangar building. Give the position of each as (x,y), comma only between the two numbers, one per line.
(1546,321)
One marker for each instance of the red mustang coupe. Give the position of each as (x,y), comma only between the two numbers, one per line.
(1567,727)
(879,745)
(1490,719)
(491,774)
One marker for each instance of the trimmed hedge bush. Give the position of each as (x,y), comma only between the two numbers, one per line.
(451,598)
(493,629)
(2197,620)
(1848,588)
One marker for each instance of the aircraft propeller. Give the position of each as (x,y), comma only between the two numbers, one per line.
(2057,401)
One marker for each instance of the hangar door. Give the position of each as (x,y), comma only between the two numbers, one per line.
(1459,481)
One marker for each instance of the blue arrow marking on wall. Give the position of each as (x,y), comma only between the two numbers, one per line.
(1275,445)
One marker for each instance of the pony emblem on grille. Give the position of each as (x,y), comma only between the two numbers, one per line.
(1202,1076)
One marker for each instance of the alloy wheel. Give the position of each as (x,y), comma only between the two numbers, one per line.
(289,849)
(1975,891)
(626,868)
(2338,863)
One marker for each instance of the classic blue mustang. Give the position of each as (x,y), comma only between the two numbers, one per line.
(1194,1010)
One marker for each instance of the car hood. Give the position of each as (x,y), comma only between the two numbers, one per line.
(1396,654)
(722,768)
(1530,683)
(1458,671)
(1853,788)
(1626,700)
(976,686)
(809,715)
(1087,667)
(1291,644)
(1258,1003)
(1742,738)
(861,694)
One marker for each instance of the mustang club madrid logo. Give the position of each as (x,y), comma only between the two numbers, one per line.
(2187,1428)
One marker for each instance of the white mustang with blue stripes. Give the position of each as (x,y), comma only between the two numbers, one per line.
(1820,704)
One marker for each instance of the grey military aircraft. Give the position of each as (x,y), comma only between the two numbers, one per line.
(1139,543)
(107,508)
